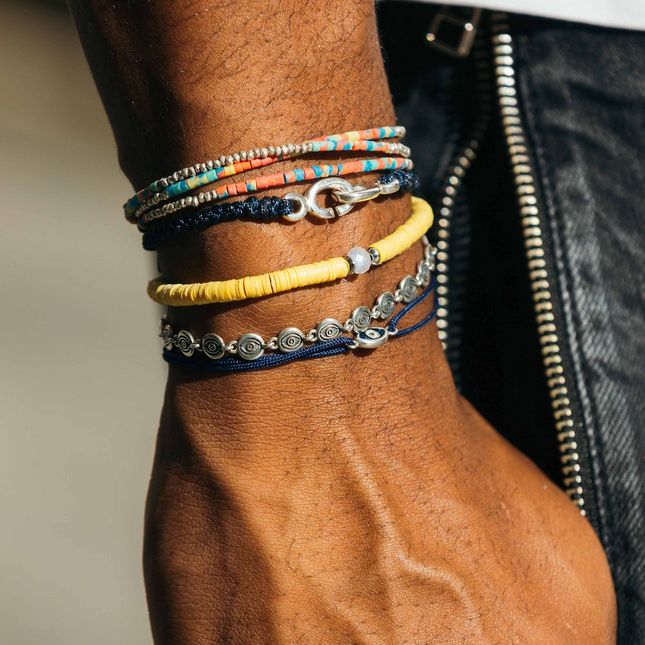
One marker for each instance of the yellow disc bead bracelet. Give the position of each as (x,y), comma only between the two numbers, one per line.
(204,293)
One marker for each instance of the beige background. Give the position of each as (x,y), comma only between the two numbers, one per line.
(80,371)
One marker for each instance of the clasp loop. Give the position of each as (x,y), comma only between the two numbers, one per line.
(342,191)
(308,203)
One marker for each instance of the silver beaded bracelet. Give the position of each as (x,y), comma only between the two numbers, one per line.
(251,346)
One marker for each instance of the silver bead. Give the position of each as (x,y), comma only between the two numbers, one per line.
(164,182)
(277,151)
(222,160)
(250,155)
(386,304)
(361,318)
(213,346)
(257,152)
(291,148)
(243,155)
(408,288)
(264,153)
(166,337)
(374,254)
(186,343)
(424,273)
(209,165)
(250,347)
(229,160)
(236,157)
(217,163)
(272,150)
(290,340)
(328,329)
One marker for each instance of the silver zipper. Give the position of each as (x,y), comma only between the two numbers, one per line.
(447,209)
(524,178)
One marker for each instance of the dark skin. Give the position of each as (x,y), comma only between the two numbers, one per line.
(352,499)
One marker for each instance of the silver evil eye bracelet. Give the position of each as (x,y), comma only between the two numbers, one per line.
(251,346)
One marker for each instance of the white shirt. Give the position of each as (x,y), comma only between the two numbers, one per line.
(628,14)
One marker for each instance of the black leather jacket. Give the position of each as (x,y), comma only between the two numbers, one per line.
(532,148)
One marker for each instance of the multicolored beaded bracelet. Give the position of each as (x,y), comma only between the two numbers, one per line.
(265,209)
(236,168)
(251,347)
(204,173)
(277,179)
(358,260)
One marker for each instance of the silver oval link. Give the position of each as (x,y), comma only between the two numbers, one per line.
(272,343)
(358,194)
(324,184)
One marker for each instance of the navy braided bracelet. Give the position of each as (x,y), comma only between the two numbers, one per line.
(265,210)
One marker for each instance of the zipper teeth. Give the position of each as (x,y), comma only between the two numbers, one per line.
(447,201)
(524,176)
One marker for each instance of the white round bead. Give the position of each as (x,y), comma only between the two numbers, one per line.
(361,259)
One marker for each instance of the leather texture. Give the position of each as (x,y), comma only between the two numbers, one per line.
(582,98)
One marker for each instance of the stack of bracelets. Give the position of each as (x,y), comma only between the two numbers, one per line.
(151,207)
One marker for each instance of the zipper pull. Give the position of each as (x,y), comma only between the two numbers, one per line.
(453,30)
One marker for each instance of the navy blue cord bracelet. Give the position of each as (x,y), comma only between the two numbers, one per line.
(266,209)
(328,348)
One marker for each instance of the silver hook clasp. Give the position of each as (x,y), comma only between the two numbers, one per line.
(309,204)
